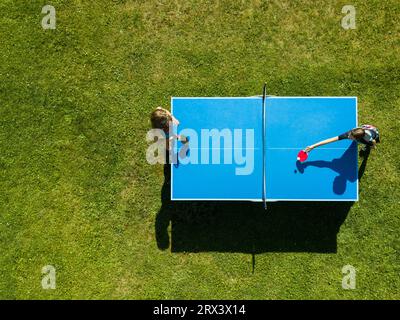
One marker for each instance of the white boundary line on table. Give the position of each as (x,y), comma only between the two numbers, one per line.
(269,97)
(260,200)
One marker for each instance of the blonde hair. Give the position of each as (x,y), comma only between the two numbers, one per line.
(160,118)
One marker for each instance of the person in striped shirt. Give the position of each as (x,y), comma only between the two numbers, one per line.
(367,134)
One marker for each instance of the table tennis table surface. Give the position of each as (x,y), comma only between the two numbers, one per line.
(291,124)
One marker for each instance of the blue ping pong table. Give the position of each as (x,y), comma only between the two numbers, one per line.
(245,149)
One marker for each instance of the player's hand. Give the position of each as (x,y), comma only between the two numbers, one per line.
(308,149)
(183,138)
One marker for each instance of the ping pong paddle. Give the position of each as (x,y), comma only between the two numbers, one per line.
(302,156)
(183,138)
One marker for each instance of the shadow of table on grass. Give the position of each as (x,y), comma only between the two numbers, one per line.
(246,227)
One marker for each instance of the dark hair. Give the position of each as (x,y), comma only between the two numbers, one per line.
(358,133)
(159,119)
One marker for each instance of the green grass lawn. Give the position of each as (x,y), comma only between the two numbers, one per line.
(77,193)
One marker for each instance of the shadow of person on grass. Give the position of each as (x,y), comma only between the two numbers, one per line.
(164,215)
(364,153)
(245,227)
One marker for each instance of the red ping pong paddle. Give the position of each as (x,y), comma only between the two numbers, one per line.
(302,156)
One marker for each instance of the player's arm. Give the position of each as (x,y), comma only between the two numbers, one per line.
(179,137)
(321,143)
